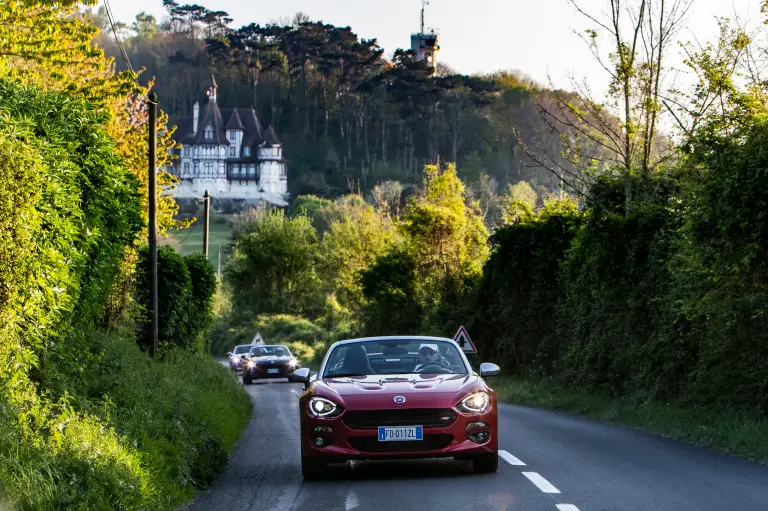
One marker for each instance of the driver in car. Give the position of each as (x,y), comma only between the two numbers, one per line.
(429,356)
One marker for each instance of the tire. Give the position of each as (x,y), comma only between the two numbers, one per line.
(311,470)
(486,464)
(247,380)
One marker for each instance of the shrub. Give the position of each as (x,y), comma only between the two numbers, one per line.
(186,288)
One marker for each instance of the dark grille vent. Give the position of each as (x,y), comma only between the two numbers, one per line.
(372,444)
(372,419)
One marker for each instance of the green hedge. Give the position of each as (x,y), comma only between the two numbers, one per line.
(666,303)
(186,287)
(513,310)
(87,421)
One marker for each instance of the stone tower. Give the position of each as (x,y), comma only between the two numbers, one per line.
(425,45)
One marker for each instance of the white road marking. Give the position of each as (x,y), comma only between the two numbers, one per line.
(351,502)
(567,507)
(297,394)
(512,460)
(540,482)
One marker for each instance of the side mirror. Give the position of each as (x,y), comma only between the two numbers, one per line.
(301,376)
(229,353)
(487,369)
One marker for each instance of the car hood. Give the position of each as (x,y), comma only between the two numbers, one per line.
(420,391)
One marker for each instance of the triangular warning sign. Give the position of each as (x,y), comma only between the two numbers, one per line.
(462,339)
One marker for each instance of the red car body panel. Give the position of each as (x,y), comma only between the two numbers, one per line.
(422,392)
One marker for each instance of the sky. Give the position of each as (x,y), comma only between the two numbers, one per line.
(534,36)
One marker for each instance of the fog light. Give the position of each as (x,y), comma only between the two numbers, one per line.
(323,429)
(319,441)
(480,437)
(476,425)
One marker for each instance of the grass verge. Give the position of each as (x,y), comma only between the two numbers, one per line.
(736,433)
(133,433)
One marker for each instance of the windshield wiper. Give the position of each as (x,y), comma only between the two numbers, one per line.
(344,375)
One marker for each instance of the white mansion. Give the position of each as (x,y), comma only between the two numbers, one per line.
(228,153)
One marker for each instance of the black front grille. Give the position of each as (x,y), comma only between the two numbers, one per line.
(372,444)
(372,419)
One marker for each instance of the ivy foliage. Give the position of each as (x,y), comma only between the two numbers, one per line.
(69,207)
(78,210)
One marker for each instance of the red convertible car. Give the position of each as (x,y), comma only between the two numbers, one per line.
(397,398)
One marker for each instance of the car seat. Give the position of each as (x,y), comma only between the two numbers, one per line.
(356,361)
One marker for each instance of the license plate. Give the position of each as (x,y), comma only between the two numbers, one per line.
(400,433)
(273,371)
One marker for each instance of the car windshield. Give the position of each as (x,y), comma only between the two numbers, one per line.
(239,350)
(270,351)
(394,356)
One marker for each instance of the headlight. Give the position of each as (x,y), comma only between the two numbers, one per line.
(293,363)
(477,402)
(321,407)
(251,364)
(236,361)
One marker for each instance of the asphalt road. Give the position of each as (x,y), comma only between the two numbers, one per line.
(550,462)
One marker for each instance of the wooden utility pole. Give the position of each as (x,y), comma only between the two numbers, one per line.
(207,200)
(153,217)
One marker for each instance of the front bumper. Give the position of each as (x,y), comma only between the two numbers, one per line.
(268,371)
(345,443)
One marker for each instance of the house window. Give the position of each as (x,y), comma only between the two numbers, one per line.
(247,151)
(208,132)
(197,168)
(186,168)
(208,168)
(252,170)
(282,171)
(236,169)
(231,151)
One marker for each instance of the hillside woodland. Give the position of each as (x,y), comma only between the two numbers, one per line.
(349,116)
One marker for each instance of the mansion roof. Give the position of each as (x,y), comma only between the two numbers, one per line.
(244,119)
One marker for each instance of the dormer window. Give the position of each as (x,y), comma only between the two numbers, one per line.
(208,132)
(246,151)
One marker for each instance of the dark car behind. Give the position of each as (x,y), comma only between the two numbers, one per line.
(269,362)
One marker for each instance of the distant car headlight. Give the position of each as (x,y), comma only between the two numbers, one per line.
(235,361)
(321,407)
(477,402)
(251,364)
(293,363)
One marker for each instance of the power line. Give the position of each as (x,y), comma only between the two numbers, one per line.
(120,44)
(194,226)
(117,37)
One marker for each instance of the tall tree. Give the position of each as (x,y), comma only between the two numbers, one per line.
(621,133)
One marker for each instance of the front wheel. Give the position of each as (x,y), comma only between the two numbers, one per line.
(247,380)
(311,470)
(487,463)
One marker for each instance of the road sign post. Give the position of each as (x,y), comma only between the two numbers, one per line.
(463,340)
